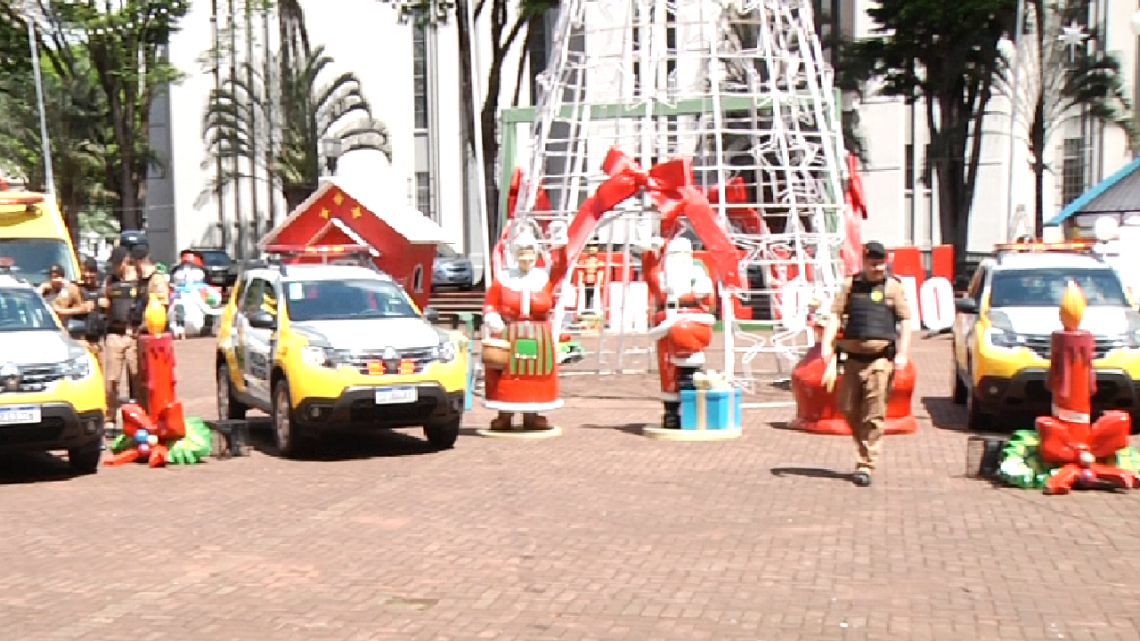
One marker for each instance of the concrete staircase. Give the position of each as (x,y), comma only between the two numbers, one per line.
(452,306)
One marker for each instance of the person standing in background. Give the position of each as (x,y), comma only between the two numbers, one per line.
(119,353)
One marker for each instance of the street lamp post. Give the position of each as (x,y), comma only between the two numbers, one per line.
(45,142)
(1015,103)
(331,149)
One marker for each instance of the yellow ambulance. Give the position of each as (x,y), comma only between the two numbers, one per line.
(34,235)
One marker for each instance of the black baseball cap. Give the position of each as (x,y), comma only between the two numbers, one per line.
(55,270)
(874,249)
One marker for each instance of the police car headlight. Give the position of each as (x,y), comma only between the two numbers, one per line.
(317,356)
(79,368)
(996,337)
(446,352)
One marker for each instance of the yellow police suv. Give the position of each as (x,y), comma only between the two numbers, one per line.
(333,345)
(51,389)
(1003,328)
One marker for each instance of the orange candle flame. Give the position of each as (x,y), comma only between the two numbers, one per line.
(1072,308)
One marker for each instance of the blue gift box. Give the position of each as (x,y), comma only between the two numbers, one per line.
(710,409)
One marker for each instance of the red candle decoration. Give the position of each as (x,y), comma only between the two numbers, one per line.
(1082,448)
(161,420)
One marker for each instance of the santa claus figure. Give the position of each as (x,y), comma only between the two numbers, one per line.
(591,278)
(517,314)
(682,294)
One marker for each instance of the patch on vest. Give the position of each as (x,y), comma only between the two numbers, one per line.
(877,296)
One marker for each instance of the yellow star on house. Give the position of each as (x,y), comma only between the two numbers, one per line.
(325,213)
(356,212)
(338,199)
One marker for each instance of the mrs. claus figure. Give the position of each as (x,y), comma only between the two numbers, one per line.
(682,292)
(518,309)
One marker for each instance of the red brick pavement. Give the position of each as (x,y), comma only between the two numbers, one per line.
(600,534)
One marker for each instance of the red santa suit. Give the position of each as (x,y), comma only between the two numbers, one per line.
(518,308)
(682,293)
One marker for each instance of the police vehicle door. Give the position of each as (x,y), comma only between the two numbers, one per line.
(966,325)
(255,341)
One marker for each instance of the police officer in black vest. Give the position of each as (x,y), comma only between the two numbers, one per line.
(120,353)
(875,315)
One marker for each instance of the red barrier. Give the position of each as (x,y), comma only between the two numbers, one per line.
(942,262)
(816,408)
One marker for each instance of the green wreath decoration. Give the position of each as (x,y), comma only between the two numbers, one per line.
(1022,466)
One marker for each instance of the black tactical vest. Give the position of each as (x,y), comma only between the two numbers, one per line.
(869,316)
(138,314)
(96,325)
(123,300)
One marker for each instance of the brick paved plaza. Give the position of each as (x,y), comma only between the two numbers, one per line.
(601,534)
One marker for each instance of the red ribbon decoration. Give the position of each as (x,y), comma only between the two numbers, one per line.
(671,189)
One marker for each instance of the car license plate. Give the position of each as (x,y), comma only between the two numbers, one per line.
(20,414)
(396,395)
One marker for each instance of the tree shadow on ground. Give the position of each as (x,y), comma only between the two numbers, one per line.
(811,472)
(634,429)
(344,445)
(34,467)
(945,414)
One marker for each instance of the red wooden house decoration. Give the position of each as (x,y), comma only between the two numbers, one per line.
(402,240)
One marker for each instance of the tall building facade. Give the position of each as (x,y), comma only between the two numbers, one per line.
(411,76)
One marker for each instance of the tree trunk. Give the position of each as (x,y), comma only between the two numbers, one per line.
(1037,135)
(295,195)
(465,79)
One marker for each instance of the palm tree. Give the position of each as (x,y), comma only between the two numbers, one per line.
(1059,82)
(278,123)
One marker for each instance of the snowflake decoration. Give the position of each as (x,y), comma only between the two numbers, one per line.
(1072,36)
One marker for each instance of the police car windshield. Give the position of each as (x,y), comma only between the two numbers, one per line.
(316,300)
(1043,287)
(23,311)
(33,257)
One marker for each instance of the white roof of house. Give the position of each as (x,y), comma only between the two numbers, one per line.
(378,199)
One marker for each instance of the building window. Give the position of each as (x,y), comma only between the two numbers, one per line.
(1073,170)
(424,195)
(418,279)
(420,75)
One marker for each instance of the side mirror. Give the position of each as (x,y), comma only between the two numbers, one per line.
(262,320)
(77,329)
(966,306)
(431,315)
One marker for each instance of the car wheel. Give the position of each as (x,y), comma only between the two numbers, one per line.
(287,435)
(976,419)
(442,436)
(228,407)
(85,460)
(960,391)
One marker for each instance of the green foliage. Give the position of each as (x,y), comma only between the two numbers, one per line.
(945,54)
(278,122)
(1058,83)
(115,48)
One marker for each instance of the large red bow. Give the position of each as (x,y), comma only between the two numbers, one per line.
(670,187)
(1065,443)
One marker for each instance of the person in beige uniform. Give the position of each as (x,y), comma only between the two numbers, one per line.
(875,318)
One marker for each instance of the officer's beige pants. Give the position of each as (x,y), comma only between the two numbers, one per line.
(120,352)
(862,398)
